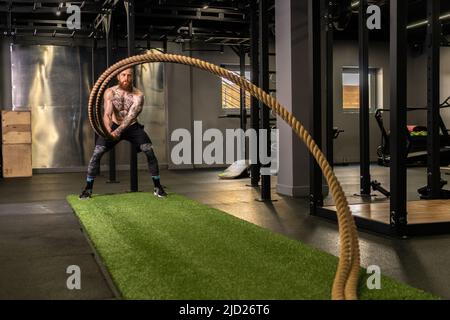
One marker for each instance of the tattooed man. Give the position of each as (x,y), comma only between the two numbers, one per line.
(122,105)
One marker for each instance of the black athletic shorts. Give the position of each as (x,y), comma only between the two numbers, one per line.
(134,134)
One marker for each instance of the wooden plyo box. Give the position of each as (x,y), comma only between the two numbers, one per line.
(16,144)
(16,127)
(17,160)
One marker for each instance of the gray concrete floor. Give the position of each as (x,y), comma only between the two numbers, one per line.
(38,241)
(40,236)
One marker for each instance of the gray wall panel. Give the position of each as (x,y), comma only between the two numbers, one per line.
(195,95)
(346,147)
(179,99)
(52,82)
(5,75)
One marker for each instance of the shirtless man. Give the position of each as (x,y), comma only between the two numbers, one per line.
(122,104)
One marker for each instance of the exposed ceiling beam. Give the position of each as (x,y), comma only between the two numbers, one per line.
(197,15)
(91,9)
(38,19)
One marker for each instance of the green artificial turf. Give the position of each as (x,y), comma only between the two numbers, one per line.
(177,248)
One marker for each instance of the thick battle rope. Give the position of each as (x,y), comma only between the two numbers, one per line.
(347,274)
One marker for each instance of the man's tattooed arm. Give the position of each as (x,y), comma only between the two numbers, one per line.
(108,109)
(135,110)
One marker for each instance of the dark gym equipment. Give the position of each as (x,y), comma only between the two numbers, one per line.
(416,144)
(376,186)
(337,132)
(397,147)
(341,13)
(425,191)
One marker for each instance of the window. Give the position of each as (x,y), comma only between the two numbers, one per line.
(350,89)
(231,93)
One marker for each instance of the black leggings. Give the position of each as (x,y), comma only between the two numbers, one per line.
(134,134)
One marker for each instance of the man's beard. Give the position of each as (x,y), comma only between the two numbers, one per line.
(126,86)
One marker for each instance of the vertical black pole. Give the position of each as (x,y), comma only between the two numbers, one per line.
(264,84)
(9,21)
(165,45)
(254,108)
(398,63)
(243,112)
(330,86)
(364,138)
(315,56)
(115,40)
(433,96)
(93,51)
(129,4)
(93,72)
(149,38)
(109,60)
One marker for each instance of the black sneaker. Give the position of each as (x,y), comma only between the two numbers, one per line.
(86,194)
(159,192)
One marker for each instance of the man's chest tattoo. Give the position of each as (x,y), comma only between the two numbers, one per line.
(122,102)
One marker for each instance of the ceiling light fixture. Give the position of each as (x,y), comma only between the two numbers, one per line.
(425,22)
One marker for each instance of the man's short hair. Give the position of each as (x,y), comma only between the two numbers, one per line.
(131,69)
